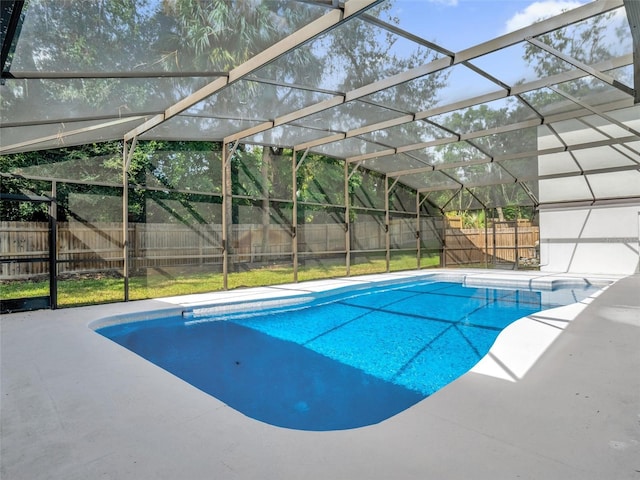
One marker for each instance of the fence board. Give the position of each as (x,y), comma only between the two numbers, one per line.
(19,241)
(468,245)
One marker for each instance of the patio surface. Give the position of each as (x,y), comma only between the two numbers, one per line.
(558,397)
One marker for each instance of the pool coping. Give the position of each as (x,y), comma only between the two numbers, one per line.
(75,405)
(281,295)
(513,353)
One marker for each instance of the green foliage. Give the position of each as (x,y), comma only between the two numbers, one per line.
(162,173)
(225,33)
(88,163)
(370,53)
(470,218)
(207,35)
(82,171)
(95,36)
(24,211)
(502,190)
(100,162)
(515,212)
(588,42)
(321,180)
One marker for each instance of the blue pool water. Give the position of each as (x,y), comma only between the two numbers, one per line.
(337,360)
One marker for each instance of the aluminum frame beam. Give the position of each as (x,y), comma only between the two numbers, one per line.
(463,56)
(466,103)
(303,35)
(633,17)
(596,111)
(540,28)
(319,26)
(500,158)
(582,66)
(17,146)
(481,133)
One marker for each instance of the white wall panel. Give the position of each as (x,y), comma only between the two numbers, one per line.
(590,239)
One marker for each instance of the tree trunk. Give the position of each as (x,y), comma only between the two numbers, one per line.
(228,203)
(265,174)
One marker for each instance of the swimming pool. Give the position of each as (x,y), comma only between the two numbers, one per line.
(339,359)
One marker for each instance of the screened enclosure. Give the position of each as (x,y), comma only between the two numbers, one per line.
(147,142)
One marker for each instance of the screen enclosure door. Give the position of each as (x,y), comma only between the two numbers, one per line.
(27,253)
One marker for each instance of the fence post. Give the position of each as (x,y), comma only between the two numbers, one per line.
(517,263)
(486,239)
(443,245)
(136,247)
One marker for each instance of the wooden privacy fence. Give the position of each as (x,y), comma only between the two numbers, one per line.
(475,246)
(82,248)
(20,242)
(79,248)
(167,245)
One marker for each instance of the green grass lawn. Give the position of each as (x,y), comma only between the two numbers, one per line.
(87,291)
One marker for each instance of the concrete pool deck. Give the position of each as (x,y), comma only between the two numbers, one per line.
(557,398)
